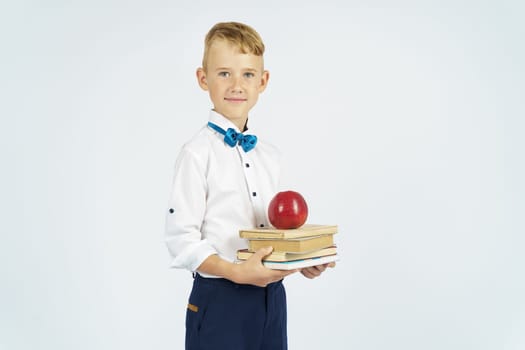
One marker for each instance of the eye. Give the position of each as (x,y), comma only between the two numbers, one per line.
(249,75)
(224,74)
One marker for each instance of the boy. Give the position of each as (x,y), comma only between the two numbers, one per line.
(224,179)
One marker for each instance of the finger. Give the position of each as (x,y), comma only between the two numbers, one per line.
(306,273)
(262,252)
(312,271)
(320,268)
(332,264)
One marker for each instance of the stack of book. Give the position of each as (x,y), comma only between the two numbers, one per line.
(306,246)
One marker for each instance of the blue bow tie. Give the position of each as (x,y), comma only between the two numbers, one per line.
(232,137)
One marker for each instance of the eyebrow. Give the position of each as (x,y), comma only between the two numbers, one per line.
(243,69)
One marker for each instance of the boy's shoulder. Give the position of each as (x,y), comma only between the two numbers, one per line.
(197,146)
(265,144)
(266,147)
(199,140)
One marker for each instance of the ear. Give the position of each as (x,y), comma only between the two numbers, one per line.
(264,80)
(201,79)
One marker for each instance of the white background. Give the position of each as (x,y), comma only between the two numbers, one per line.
(401,122)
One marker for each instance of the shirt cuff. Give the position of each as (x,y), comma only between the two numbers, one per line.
(192,258)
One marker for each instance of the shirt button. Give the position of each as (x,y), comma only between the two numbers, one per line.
(261,225)
(172,210)
(254,194)
(247,165)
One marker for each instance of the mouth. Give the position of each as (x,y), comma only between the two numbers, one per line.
(235,99)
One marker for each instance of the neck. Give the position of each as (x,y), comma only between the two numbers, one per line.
(240,123)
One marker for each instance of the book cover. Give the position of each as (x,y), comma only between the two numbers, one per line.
(307,230)
(294,245)
(245,254)
(298,264)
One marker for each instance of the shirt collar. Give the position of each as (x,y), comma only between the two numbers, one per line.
(220,120)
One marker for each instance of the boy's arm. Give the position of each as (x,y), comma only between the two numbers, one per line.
(252,271)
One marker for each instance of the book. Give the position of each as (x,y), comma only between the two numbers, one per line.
(298,264)
(307,230)
(245,254)
(293,245)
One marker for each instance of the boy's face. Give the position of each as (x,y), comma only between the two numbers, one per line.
(234,81)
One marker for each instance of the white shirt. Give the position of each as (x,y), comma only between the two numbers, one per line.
(218,190)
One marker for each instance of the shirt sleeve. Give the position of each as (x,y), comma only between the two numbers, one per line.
(185,214)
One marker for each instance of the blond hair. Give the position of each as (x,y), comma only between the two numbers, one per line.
(244,37)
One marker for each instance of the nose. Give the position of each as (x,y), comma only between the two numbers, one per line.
(236,85)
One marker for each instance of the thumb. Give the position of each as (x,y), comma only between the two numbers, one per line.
(262,252)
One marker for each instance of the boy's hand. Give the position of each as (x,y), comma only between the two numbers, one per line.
(252,271)
(315,271)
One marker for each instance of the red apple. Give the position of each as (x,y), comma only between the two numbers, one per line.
(287,210)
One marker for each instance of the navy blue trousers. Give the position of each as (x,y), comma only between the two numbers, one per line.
(223,315)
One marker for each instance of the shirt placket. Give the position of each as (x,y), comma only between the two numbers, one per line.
(253,188)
